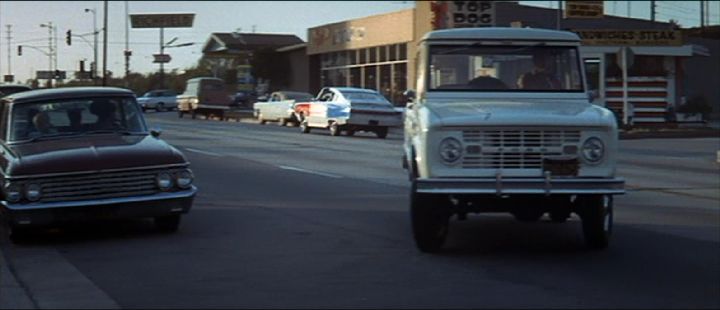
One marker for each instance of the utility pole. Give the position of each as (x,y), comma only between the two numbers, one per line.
(9,38)
(652,10)
(559,16)
(94,67)
(127,46)
(105,26)
(702,15)
(162,65)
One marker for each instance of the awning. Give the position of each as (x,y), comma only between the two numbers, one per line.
(678,51)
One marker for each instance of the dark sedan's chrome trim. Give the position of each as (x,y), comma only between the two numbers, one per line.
(501,186)
(99,202)
(61,174)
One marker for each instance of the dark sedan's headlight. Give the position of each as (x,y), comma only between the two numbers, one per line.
(184,179)
(33,192)
(164,181)
(12,191)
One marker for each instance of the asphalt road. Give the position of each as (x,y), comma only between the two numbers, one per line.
(313,221)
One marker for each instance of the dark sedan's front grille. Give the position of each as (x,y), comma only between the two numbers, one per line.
(99,186)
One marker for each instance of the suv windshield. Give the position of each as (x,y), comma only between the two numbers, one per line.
(505,68)
(75,116)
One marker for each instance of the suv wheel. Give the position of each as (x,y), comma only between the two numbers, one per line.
(334,129)
(429,218)
(169,223)
(260,119)
(382,132)
(304,127)
(596,213)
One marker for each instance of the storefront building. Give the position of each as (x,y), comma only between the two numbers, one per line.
(378,52)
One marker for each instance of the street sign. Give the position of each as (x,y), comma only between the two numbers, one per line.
(49,75)
(9,78)
(162,20)
(161,58)
(584,9)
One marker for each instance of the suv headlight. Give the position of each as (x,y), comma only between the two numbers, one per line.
(12,192)
(593,150)
(184,179)
(33,192)
(164,181)
(450,150)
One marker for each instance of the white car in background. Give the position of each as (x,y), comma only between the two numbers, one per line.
(349,110)
(280,107)
(158,100)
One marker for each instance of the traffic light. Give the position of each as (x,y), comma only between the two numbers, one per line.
(68,37)
(19,50)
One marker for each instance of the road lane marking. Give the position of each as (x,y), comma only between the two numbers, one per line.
(203,152)
(311,172)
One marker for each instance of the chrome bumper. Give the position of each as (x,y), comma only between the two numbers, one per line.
(99,202)
(500,186)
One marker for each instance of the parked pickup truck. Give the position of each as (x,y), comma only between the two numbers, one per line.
(206,96)
(349,110)
(501,122)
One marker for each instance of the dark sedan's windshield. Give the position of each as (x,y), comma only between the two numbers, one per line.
(75,116)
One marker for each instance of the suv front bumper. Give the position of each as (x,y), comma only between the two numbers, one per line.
(508,186)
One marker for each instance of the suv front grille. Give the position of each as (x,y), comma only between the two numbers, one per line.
(514,149)
(99,185)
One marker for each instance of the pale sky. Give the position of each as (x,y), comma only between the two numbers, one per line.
(293,17)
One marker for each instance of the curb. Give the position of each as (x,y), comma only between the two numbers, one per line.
(670,134)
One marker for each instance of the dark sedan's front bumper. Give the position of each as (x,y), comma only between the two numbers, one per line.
(39,214)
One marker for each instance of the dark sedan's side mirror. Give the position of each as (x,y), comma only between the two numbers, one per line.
(155,132)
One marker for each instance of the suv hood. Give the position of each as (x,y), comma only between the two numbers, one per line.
(91,153)
(519,113)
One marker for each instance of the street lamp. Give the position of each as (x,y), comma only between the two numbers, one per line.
(50,28)
(95,33)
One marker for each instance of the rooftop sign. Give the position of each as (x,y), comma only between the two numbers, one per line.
(630,37)
(162,20)
(584,9)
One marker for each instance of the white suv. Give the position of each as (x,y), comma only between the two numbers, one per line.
(501,122)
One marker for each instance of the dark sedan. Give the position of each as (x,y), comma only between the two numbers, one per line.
(85,153)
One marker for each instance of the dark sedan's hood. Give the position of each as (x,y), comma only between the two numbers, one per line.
(91,153)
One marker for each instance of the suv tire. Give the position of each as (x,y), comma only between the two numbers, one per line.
(596,212)
(429,220)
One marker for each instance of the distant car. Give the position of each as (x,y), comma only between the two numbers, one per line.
(85,153)
(158,100)
(349,110)
(205,95)
(280,107)
(244,97)
(6,90)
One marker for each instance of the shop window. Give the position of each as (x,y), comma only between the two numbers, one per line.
(393,52)
(383,53)
(355,77)
(647,66)
(402,51)
(363,56)
(371,77)
(372,55)
(352,56)
(399,84)
(386,81)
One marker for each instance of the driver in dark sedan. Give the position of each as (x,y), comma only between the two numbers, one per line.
(105,112)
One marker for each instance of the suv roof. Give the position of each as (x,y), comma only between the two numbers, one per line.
(502,33)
